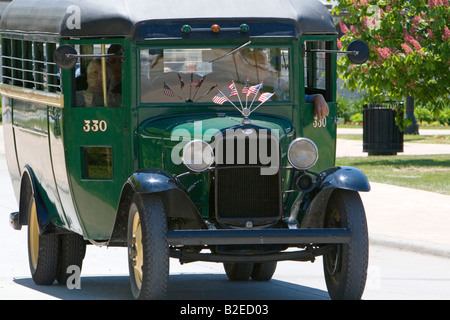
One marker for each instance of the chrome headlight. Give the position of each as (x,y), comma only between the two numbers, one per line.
(198,155)
(302,153)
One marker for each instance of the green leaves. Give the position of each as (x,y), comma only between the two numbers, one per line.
(410,49)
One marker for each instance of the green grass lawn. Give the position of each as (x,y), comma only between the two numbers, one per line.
(424,172)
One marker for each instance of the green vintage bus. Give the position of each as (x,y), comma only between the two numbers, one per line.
(179,129)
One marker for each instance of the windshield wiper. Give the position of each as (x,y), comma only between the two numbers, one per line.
(232,51)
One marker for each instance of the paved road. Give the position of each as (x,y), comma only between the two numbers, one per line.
(403,217)
(393,274)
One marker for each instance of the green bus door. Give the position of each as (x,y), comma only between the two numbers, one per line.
(96,164)
(95,130)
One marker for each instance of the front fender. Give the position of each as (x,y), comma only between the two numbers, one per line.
(347,178)
(152,181)
(181,212)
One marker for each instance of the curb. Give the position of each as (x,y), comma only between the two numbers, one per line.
(411,245)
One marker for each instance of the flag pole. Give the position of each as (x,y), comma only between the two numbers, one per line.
(181,82)
(260,105)
(260,85)
(238,94)
(245,91)
(246,100)
(190,85)
(230,101)
(196,91)
(206,93)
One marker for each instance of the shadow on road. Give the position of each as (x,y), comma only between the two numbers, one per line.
(181,287)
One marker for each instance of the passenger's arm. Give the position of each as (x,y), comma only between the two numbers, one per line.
(320,105)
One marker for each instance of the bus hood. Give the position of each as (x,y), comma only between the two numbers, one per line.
(205,126)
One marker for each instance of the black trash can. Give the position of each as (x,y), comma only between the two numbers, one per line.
(381,136)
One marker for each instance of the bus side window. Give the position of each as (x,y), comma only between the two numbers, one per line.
(317,69)
(89,78)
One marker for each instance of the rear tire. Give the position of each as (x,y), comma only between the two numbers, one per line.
(345,267)
(71,252)
(238,271)
(264,271)
(148,251)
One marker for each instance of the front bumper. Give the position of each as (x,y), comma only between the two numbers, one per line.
(291,237)
(315,242)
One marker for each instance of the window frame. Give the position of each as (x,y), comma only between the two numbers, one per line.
(187,45)
(88,47)
(30,64)
(329,92)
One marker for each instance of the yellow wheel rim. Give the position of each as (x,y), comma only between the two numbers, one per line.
(137,254)
(33,236)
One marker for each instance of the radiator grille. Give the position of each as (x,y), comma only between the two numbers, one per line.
(244,193)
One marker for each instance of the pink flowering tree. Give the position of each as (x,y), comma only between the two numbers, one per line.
(410,50)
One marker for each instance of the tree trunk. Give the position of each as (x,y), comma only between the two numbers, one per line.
(409,110)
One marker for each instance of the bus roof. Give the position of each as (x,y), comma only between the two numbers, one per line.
(3,5)
(120,18)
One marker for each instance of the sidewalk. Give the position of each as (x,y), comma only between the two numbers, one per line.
(422,132)
(402,217)
(353,148)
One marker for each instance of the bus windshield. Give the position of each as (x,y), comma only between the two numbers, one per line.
(196,75)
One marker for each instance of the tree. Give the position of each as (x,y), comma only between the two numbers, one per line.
(410,51)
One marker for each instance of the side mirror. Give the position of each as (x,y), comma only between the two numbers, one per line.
(65,57)
(358,52)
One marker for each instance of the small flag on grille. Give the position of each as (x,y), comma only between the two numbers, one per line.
(167,91)
(219,98)
(245,88)
(234,91)
(265,96)
(254,89)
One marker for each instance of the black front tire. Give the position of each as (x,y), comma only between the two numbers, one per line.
(148,251)
(345,267)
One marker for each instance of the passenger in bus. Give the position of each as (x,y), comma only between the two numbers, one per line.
(115,84)
(93,95)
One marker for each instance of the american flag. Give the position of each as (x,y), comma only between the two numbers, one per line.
(219,98)
(167,91)
(196,84)
(254,89)
(265,96)
(245,88)
(234,91)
